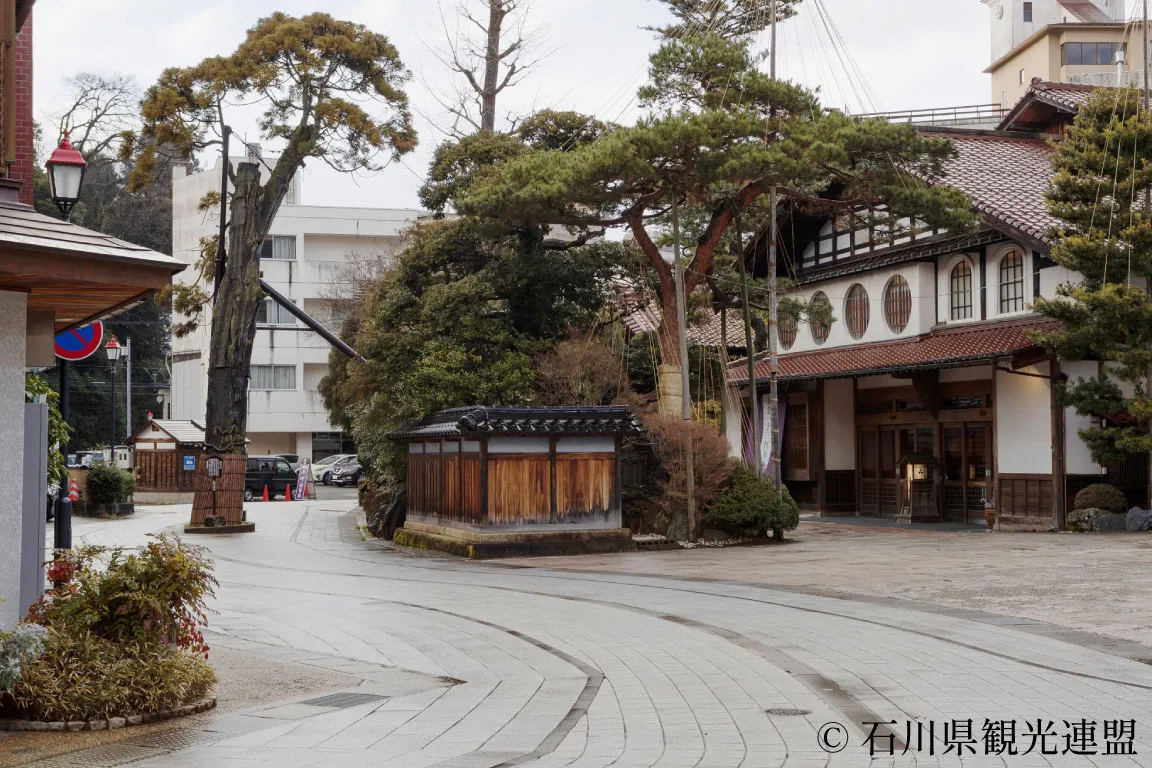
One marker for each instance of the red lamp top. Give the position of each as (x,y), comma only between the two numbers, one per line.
(66,155)
(112,344)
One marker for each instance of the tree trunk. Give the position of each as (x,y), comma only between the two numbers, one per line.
(234,317)
(496,14)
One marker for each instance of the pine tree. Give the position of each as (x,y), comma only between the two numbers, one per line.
(1100,192)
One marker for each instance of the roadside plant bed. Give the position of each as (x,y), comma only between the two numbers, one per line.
(654,542)
(118,637)
(103,511)
(111,723)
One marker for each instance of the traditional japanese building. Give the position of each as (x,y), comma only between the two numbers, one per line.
(929,353)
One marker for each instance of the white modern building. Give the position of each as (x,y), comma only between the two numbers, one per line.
(312,256)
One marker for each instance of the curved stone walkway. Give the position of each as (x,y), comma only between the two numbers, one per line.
(466,664)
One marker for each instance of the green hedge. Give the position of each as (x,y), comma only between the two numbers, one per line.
(110,485)
(751,506)
(1102,496)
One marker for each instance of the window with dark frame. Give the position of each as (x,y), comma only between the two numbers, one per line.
(1027,12)
(961,292)
(1090,54)
(819,328)
(856,311)
(796,437)
(786,330)
(1012,282)
(897,304)
(279,248)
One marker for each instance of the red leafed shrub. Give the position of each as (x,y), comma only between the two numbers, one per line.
(710,456)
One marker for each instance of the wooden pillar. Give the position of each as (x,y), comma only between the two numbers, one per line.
(553,513)
(995,448)
(1059,485)
(484,520)
(856,442)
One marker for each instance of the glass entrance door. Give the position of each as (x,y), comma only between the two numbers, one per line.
(967,470)
(881,476)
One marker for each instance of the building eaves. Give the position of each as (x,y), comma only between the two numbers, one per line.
(482,421)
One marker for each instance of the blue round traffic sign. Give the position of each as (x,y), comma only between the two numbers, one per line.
(81,342)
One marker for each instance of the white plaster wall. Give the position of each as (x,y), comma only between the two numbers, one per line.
(189,380)
(919,277)
(13,308)
(1078,458)
(839,425)
(1024,422)
(734,407)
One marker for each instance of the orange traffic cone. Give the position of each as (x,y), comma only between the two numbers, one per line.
(73,490)
(265,493)
(288,492)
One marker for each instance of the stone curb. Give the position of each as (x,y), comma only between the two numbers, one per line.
(195,708)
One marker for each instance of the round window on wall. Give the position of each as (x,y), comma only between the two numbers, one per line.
(786,330)
(897,304)
(856,311)
(820,328)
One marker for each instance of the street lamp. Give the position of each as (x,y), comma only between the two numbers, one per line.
(113,350)
(66,169)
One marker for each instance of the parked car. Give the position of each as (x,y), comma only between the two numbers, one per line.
(273,472)
(324,466)
(347,472)
(293,460)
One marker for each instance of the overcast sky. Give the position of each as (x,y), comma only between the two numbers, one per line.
(904,54)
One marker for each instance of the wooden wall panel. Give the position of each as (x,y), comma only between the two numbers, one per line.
(471,507)
(585,484)
(450,484)
(164,470)
(231,479)
(1024,495)
(518,488)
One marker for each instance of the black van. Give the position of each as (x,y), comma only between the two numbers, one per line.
(273,472)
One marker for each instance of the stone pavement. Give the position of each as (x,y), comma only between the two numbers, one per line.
(464,664)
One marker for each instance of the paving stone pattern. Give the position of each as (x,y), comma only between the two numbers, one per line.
(475,665)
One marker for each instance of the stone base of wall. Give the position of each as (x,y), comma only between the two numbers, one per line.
(1023,524)
(485,545)
(163,497)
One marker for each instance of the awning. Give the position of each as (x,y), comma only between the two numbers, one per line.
(76,273)
(945,348)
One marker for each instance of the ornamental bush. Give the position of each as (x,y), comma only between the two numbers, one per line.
(751,507)
(110,485)
(1102,496)
(81,676)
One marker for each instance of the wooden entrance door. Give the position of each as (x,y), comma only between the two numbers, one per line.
(880,484)
(967,469)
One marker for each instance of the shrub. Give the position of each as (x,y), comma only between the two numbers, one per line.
(17,650)
(156,595)
(80,676)
(1102,496)
(110,485)
(751,506)
(711,462)
(581,371)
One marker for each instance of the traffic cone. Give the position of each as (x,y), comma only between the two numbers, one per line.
(288,492)
(73,490)
(265,493)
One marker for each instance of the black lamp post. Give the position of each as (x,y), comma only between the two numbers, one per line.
(114,350)
(66,169)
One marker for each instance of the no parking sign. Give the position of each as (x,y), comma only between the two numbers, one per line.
(79,343)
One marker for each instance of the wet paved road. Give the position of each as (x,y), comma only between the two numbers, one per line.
(489,665)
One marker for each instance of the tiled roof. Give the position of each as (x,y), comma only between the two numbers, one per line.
(1069,95)
(938,349)
(22,227)
(640,316)
(187,432)
(1006,177)
(481,421)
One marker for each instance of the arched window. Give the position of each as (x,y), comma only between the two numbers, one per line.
(1012,282)
(820,328)
(856,311)
(786,329)
(961,286)
(897,304)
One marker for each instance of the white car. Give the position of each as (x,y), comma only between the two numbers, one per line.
(324,466)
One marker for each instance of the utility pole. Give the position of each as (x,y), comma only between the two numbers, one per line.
(1147,212)
(773,361)
(128,390)
(750,346)
(686,395)
(221,254)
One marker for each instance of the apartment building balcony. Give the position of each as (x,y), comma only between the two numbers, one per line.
(980,116)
